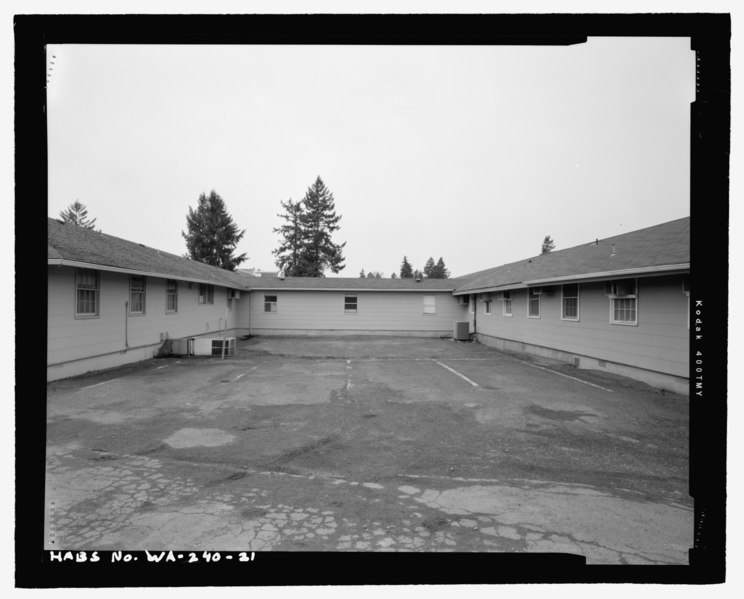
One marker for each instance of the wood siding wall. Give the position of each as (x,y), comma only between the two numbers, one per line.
(73,338)
(386,311)
(659,342)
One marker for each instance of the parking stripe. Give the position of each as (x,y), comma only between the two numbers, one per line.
(99,384)
(573,378)
(462,376)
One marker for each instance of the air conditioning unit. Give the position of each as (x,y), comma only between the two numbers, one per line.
(213,346)
(461,331)
(183,347)
(620,288)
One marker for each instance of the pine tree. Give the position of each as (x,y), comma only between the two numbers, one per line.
(417,274)
(370,275)
(406,270)
(212,235)
(548,245)
(289,253)
(317,222)
(430,269)
(77,214)
(440,270)
(361,274)
(393,276)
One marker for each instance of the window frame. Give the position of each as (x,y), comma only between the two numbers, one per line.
(79,272)
(347,304)
(627,297)
(134,291)
(206,294)
(506,299)
(171,293)
(530,297)
(564,297)
(269,303)
(432,307)
(487,307)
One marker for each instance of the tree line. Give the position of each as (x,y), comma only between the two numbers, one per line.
(306,247)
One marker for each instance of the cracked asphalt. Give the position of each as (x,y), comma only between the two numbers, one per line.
(368,444)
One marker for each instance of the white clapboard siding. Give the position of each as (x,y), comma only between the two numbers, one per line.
(659,342)
(376,311)
(70,338)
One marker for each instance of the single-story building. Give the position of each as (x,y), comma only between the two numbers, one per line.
(620,304)
(112,301)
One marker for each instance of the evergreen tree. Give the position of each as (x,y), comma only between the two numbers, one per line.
(319,222)
(430,269)
(406,270)
(548,245)
(393,276)
(77,214)
(289,253)
(370,275)
(417,274)
(440,270)
(361,274)
(212,235)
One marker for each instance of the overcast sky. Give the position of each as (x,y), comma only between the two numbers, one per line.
(473,154)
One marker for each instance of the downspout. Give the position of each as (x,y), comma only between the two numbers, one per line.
(250,311)
(475,313)
(126,324)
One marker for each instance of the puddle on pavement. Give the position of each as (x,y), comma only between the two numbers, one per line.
(198,437)
(562,415)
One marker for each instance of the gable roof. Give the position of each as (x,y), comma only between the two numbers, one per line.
(661,248)
(350,284)
(76,246)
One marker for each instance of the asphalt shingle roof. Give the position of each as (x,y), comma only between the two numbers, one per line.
(660,245)
(352,284)
(69,242)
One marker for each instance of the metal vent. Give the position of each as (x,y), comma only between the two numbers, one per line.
(462,330)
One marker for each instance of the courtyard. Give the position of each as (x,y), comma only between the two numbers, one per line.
(368,444)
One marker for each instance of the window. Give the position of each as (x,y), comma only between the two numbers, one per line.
(487,307)
(472,305)
(533,303)
(136,295)
(171,295)
(350,304)
(206,293)
(623,301)
(86,292)
(430,304)
(507,311)
(269,303)
(570,302)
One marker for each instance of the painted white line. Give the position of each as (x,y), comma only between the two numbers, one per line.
(573,378)
(159,367)
(99,384)
(462,376)
(243,374)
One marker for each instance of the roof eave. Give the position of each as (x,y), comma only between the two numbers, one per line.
(132,271)
(646,271)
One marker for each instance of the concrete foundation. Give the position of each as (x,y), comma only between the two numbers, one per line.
(658,380)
